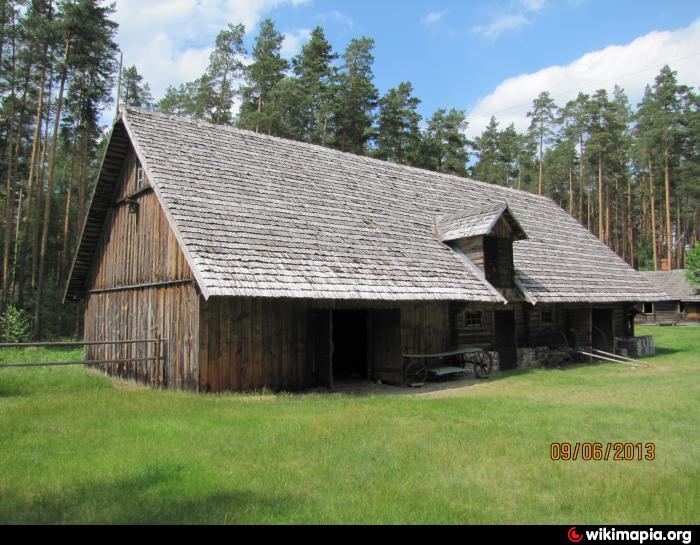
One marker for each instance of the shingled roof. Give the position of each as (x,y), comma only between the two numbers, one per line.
(673,283)
(474,222)
(268,217)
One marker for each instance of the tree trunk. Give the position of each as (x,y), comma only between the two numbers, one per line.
(64,262)
(10,191)
(580,180)
(601,226)
(220,108)
(571,190)
(667,182)
(39,183)
(257,117)
(36,142)
(679,236)
(609,240)
(82,179)
(630,228)
(541,163)
(653,217)
(49,195)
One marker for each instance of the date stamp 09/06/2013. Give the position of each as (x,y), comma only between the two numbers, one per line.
(602,452)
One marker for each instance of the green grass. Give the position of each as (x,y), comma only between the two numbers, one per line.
(78,447)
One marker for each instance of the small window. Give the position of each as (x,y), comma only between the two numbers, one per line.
(471,319)
(140,177)
(648,308)
(547,316)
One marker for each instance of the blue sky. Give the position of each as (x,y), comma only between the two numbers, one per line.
(482,57)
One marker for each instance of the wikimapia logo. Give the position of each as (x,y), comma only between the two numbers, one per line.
(636,536)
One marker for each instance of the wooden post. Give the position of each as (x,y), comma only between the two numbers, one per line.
(155,376)
(165,362)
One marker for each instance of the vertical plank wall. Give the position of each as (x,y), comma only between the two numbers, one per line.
(251,343)
(141,248)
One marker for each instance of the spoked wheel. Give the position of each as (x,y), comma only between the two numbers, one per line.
(482,364)
(415,373)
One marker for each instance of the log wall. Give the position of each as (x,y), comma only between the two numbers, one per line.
(669,312)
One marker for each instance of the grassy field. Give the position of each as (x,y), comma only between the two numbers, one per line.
(78,447)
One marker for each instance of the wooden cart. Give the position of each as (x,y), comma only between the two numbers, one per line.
(417,367)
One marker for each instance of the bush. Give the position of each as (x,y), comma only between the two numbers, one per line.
(14,325)
(692,272)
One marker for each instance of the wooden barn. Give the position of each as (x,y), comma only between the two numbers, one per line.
(265,262)
(681,305)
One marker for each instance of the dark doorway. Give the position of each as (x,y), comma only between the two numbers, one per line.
(350,344)
(320,354)
(385,358)
(504,339)
(578,328)
(603,331)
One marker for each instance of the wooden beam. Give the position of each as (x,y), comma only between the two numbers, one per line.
(143,286)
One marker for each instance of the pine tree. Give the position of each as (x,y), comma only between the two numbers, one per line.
(134,91)
(489,167)
(89,58)
(315,87)
(225,68)
(605,135)
(398,132)
(573,121)
(670,104)
(355,98)
(543,116)
(509,150)
(444,147)
(259,110)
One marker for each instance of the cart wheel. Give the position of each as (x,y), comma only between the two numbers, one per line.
(415,373)
(482,364)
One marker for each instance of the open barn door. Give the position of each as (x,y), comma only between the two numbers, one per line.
(320,341)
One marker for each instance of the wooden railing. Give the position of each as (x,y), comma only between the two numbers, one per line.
(160,354)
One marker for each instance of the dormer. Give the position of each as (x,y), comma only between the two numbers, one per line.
(484,235)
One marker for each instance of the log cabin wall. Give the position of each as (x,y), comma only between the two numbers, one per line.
(472,324)
(140,286)
(668,312)
(539,325)
(254,343)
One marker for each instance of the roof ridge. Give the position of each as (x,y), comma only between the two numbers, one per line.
(236,130)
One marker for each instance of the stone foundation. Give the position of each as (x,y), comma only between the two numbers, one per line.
(541,356)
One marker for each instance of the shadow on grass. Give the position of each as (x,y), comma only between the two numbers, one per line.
(154,496)
(363,388)
(663,351)
(12,390)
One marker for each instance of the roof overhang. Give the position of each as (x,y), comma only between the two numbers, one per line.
(120,140)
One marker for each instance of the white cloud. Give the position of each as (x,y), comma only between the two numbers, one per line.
(293,41)
(631,66)
(500,24)
(512,17)
(433,17)
(533,5)
(169,41)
